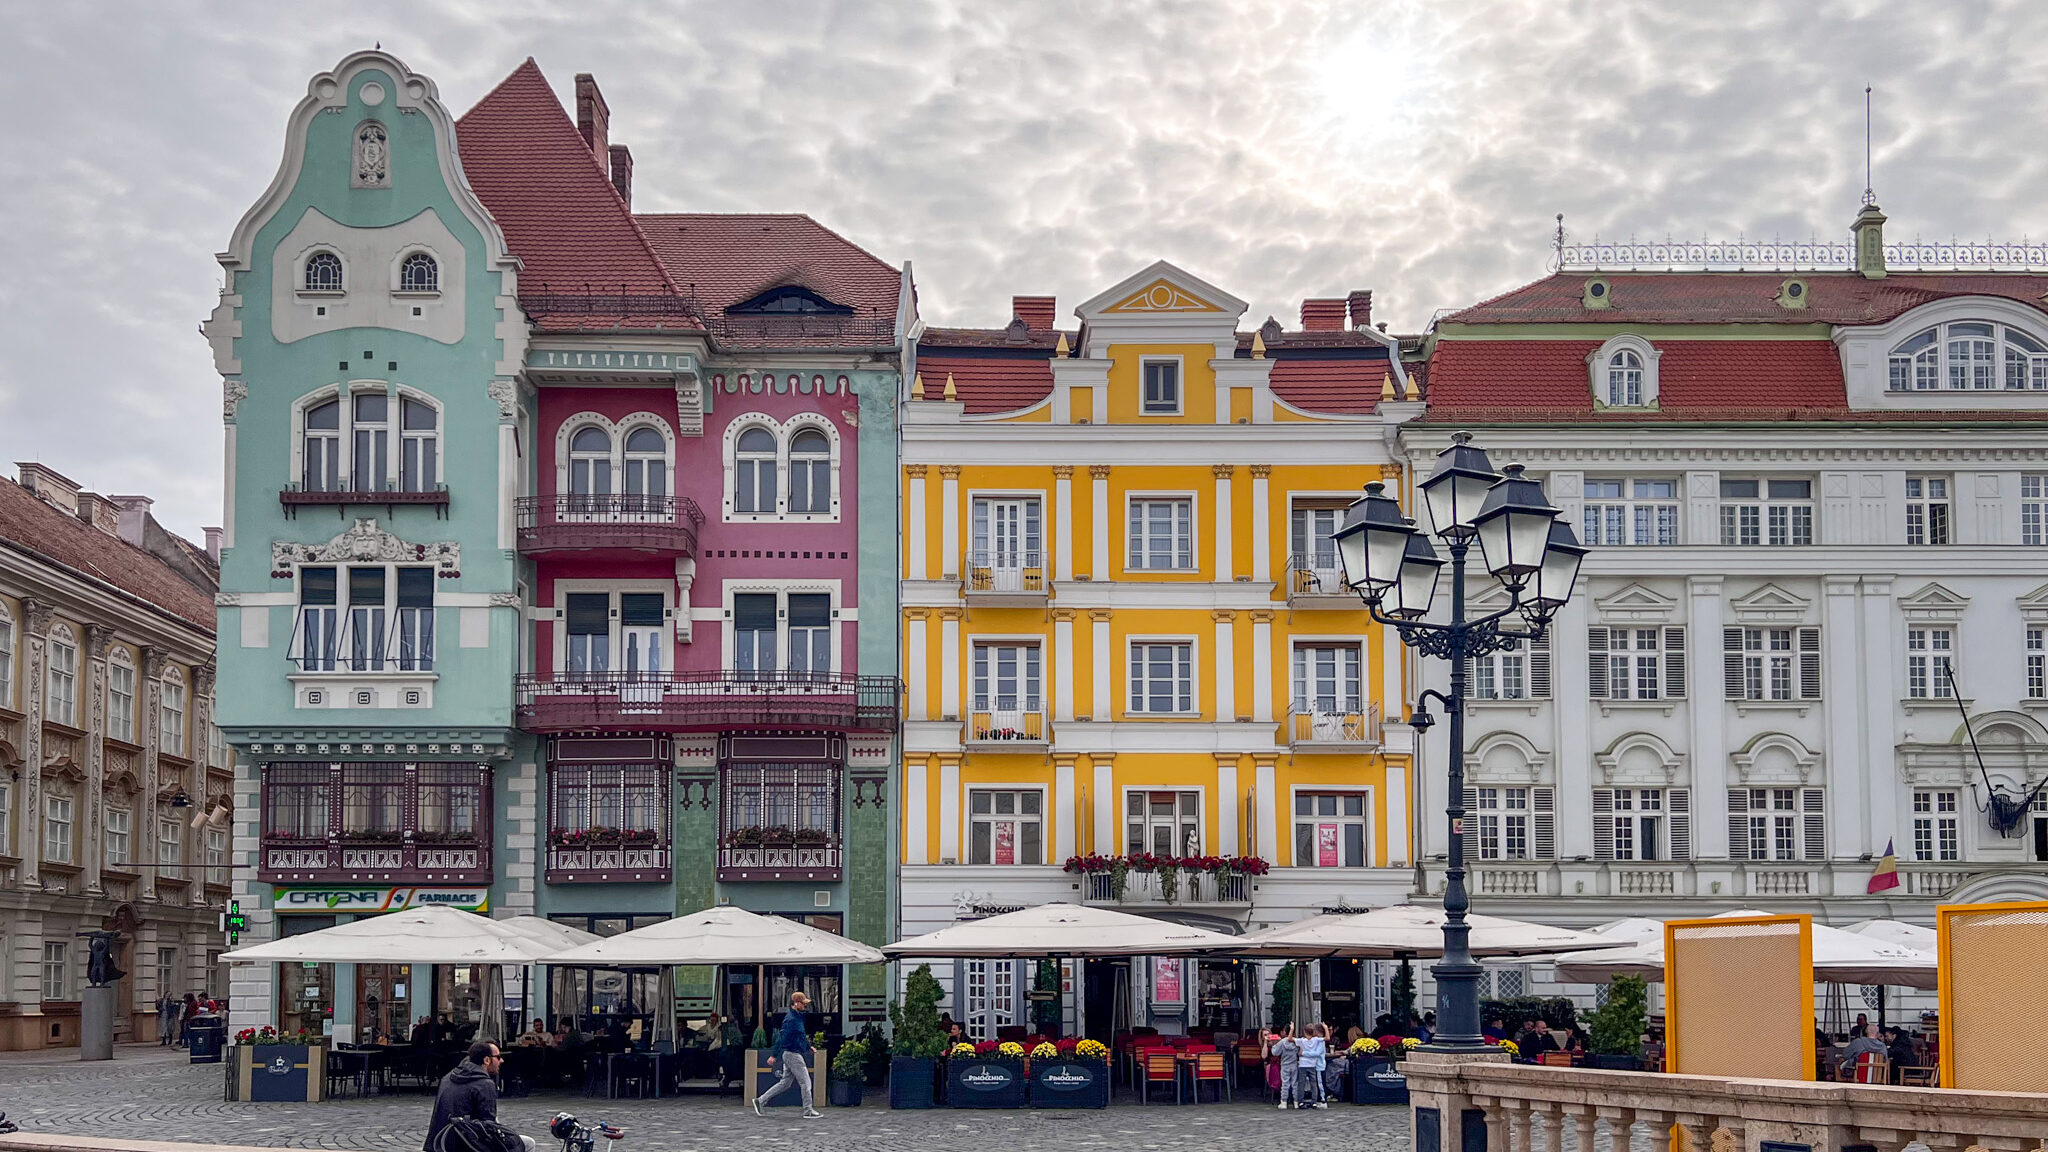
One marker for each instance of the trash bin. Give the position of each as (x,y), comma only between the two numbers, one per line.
(208,1038)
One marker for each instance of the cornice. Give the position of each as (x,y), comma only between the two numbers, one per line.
(2029,447)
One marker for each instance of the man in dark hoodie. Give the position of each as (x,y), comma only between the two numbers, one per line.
(791,1057)
(469,1091)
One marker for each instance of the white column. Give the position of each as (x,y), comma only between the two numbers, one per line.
(949,507)
(1063,521)
(1099,639)
(1262,525)
(949,663)
(1227,801)
(917,566)
(949,808)
(1265,796)
(1226,666)
(1107,842)
(1880,663)
(1709,720)
(1847,725)
(916,658)
(917,810)
(1570,735)
(1397,812)
(508,484)
(1099,563)
(1225,565)
(1262,667)
(1062,665)
(1064,802)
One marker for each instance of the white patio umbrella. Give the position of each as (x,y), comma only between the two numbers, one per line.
(1057,930)
(548,932)
(1838,956)
(427,935)
(1406,931)
(720,936)
(1897,932)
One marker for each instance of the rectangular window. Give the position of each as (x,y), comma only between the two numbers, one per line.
(1520,673)
(1006,549)
(170,841)
(119,838)
(588,627)
(1636,663)
(1514,822)
(1006,680)
(1927,510)
(1936,833)
(62,700)
(367,617)
(419,467)
(173,718)
(1162,535)
(370,463)
(6,816)
(1771,663)
(1630,511)
(755,634)
(1326,679)
(1005,827)
(56,971)
(318,639)
(415,620)
(373,801)
(217,856)
(1642,823)
(2033,524)
(121,702)
(1163,823)
(295,799)
(1930,654)
(2037,663)
(1761,511)
(166,970)
(802,798)
(1314,553)
(1163,678)
(1162,388)
(57,829)
(450,802)
(604,798)
(1329,830)
(6,661)
(810,633)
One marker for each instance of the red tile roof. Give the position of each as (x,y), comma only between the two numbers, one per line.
(1743,297)
(32,525)
(1341,387)
(726,259)
(1542,380)
(986,383)
(562,217)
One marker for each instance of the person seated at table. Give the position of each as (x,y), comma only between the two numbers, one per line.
(536,1036)
(1536,1041)
(423,1031)
(956,1034)
(1496,1028)
(1902,1053)
(710,1035)
(1865,1043)
(567,1035)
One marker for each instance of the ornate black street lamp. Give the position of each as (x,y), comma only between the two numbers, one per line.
(1394,567)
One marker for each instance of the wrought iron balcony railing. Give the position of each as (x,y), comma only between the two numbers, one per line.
(692,701)
(1000,727)
(1344,728)
(578,521)
(1316,581)
(1008,576)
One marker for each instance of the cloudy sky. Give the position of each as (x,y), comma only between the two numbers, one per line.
(1279,150)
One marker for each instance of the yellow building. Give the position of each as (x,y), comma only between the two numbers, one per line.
(1125,634)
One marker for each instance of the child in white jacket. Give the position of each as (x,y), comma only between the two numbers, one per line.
(1315,1050)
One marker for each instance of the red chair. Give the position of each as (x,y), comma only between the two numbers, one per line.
(1210,1068)
(1161,1066)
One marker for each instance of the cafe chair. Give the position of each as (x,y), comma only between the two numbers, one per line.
(1210,1068)
(1917,1077)
(634,1071)
(1160,1066)
(1872,1069)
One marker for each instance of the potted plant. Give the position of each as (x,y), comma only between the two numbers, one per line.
(849,1074)
(985,1075)
(1375,1078)
(272,1066)
(877,1045)
(1169,878)
(1617,1026)
(918,1044)
(1070,1074)
(778,836)
(811,837)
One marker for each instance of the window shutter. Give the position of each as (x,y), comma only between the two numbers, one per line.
(1471,806)
(1603,823)
(1679,802)
(1731,663)
(977,534)
(1809,663)
(1543,823)
(1674,663)
(1738,823)
(1539,667)
(1596,666)
(1813,810)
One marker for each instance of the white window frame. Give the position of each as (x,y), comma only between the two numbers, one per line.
(6,658)
(1180,386)
(397,439)
(984,546)
(7,815)
(56,978)
(405,256)
(60,679)
(1927,645)
(173,712)
(1043,818)
(1201,817)
(1492,807)
(1601,364)
(394,631)
(614,618)
(2034,508)
(170,840)
(782,590)
(1618,816)
(1488,678)
(1661,662)
(1352,689)
(1619,521)
(616,458)
(1756,670)
(1937,824)
(1934,367)
(119,830)
(59,813)
(1296,821)
(1930,510)
(2037,662)
(783,432)
(1137,540)
(216,855)
(121,705)
(1135,682)
(1030,673)
(1777,822)
(304,264)
(1768,528)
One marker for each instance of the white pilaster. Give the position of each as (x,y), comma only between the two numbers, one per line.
(1063,521)
(1262,524)
(1064,802)
(1266,797)
(1226,842)
(949,532)
(1397,813)
(1262,666)
(1709,715)
(1226,666)
(1849,727)
(1880,664)
(1099,562)
(1107,843)
(1571,743)
(1099,641)
(949,808)
(949,664)
(1226,567)
(918,564)
(916,658)
(917,810)
(1063,665)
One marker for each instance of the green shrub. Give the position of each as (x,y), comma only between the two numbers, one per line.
(1617,1027)
(916,1016)
(851,1065)
(877,1046)
(1401,994)
(1283,998)
(1516,1012)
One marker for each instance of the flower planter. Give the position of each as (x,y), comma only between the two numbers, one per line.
(1612,1063)
(1378,1082)
(982,1082)
(1067,1083)
(844,1093)
(286,1073)
(911,1082)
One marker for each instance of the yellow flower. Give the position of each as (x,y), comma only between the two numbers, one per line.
(1091,1049)
(1410,1043)
(963,1050)
(1045,1051)
(1511,1048)
(1366,1045)
(1010,1048)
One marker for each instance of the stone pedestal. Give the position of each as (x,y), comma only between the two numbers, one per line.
(96,1008)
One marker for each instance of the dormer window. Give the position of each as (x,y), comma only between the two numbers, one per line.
(789,300)
(1624,373)
(419,273)
(1969,356)
(322,273)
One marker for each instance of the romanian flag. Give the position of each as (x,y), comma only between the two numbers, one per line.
(1887,874)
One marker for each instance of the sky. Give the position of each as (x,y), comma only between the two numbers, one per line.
(1277,150)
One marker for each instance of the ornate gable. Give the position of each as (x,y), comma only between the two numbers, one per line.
(365,543)
(1934,602)
(1771,604)
(1636,604)
(1163,295)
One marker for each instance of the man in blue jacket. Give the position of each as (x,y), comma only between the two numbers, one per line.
(791,1057)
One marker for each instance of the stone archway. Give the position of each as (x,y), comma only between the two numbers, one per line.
(1999,888)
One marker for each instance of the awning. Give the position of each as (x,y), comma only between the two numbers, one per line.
(720,936)
(1063,930)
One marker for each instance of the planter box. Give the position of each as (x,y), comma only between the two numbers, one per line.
(911,1082)
(760,1078)
(1614,1063)
(1069,1084)
(844,1093)
(285,1073)
(974,1082)
(1378,1082)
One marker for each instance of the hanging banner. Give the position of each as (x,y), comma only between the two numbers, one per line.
(1166,987)
(1326,845)
(1006,842)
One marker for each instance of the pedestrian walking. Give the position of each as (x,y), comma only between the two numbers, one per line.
(167,1020)
(469,1092)
(791,1057)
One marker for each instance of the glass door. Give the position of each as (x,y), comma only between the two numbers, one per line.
(305,992)
(383,1003)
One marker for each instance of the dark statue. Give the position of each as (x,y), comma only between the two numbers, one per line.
(99,965)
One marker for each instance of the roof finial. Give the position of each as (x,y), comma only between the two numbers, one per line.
(1557,246)
(917,387)
(1869,196)
(1387,387)
(1258,346)
(952,390)
(1060,349)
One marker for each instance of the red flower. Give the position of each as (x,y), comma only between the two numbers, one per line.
(1491,1039)
(1393,1042)
(987,1047)
(1066,1043)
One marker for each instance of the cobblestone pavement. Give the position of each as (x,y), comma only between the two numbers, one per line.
(153,1093)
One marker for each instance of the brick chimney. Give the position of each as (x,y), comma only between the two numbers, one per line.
(134,515)
(52,486)
(1360,305)
(1037,312)
(594,120)
(622,173)
(1322,315)
(213,536)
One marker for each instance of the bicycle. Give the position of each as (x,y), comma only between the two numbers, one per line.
(577,1137)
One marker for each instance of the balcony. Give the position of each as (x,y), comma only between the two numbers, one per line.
(1315,730)
(1762,881)
(579,523)
(704,701)
(821,862)
(363,858)
(1007,580)
(294,497)
(1007,730)
(1191,889)
(1316,581)
(781,820)
(601,860)
(375,823)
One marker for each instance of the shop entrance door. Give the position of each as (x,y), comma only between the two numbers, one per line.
(383,1003)
(1340,983)
(305,992)
(1104,983)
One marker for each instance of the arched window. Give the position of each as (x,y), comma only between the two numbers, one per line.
(345,442)
(754,472)
(1969,356)
(321,469)
(590,462)
(1625,380)
(6,662)
(646,467)
(419,273)
(810,472)
(419,453)
(173,711)
(323,273)
(60,700)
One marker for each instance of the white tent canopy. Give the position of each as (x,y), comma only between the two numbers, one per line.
(1064,930)
(1408,931)
(720,936)
(1897,932)
(1838,956)
(427,935)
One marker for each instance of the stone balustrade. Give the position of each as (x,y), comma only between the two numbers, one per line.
(1527,1108)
